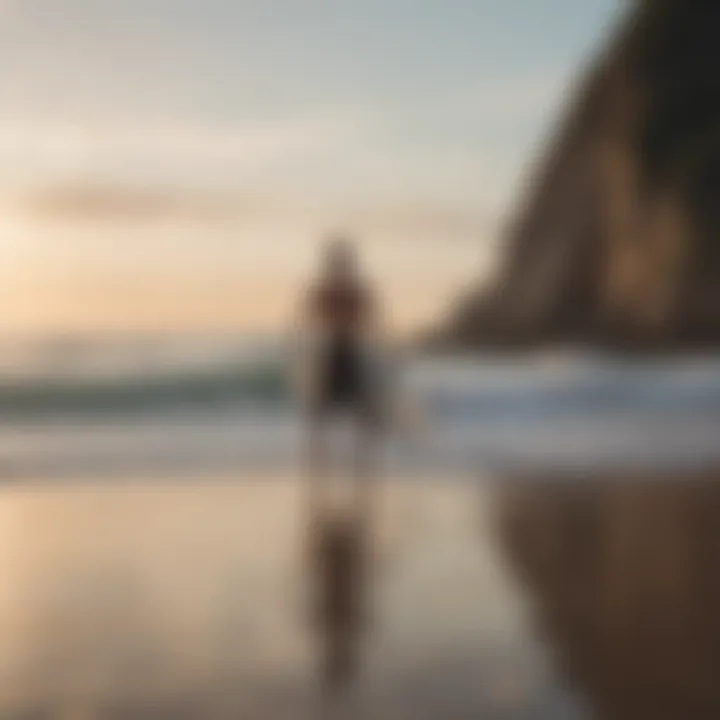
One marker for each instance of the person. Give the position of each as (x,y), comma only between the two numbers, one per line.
(342,315)
(340,311)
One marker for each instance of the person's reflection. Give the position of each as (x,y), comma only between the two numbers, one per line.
(340,556)
(340,315)
(625,579)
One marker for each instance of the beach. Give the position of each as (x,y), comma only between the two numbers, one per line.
(163,599)
(158,560)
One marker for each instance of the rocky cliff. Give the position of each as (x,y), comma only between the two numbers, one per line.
(615,241)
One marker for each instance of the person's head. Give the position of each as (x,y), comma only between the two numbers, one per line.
(340,258)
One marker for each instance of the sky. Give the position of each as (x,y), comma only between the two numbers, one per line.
(174,164)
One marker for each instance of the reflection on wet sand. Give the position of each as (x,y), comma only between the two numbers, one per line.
(339,555)
(157,600)
(623,576)
(195,601)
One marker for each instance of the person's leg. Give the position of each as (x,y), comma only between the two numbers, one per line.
(316,462)
(365,471)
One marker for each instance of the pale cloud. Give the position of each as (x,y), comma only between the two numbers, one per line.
(51,148)
(358,149)
(78,204)
(116,205)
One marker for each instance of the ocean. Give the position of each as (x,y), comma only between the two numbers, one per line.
(187,405)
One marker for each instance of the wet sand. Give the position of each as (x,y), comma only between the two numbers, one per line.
(622,572)
(141,599)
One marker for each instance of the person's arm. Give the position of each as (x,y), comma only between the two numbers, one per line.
(375,321)
(302,322)
(306,324)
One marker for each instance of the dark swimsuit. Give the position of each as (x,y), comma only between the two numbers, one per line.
(344,377)
(342,373)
